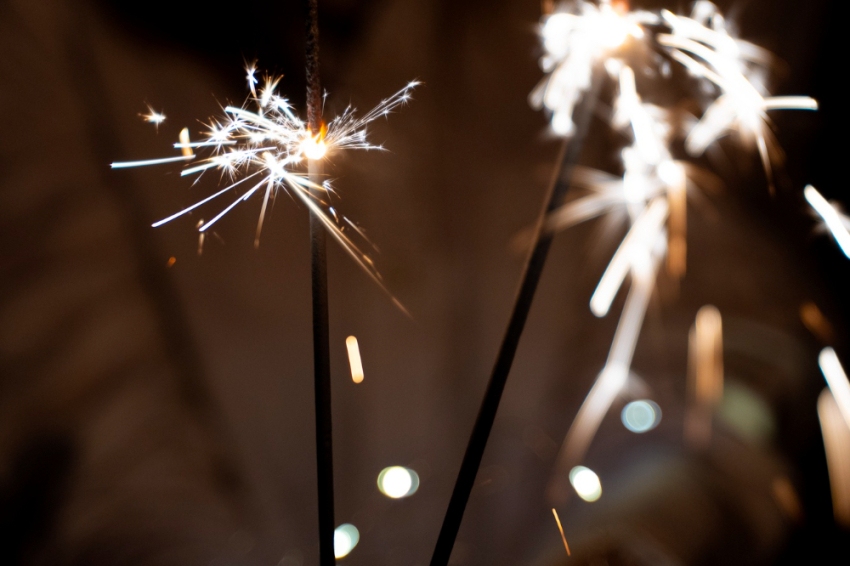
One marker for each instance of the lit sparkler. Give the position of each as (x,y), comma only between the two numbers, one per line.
(575,37)
(654,186)
(268,149)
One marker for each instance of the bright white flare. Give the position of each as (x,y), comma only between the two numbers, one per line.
(836,222)
(837,380)
(586,483)
(268,149)
(574,38)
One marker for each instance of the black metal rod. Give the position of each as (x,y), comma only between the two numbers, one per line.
(321,339)
(569,157)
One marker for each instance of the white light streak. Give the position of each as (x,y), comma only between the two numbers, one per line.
(575,37)
(836,223)
(634,247)
(146,162)
(354,359)
(837,380)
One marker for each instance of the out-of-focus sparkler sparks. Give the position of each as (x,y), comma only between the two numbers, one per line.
(705,375)
(575,36)
(354,359)
(268,149)
(561,530)
(704,46)
(837,223)
(836,439)
(836,378)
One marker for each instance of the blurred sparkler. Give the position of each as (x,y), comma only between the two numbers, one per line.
(652,192)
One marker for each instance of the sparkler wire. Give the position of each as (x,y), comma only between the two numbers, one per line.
(321,338)
(562,179)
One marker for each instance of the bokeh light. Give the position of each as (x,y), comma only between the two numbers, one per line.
(586,483)
(346,537)
(641,416)
(397,482)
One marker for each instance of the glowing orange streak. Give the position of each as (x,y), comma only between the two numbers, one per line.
(561,530)
(705,374)
(836,438)
(354,359)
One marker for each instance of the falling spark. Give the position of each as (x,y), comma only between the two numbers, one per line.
(185,144)
(837,380)
(171,261)
(705,375)
(561,530)
(816,322)
(153,117)
(836,222)
(786,497)
(269,149)
(354,359)
(836,439)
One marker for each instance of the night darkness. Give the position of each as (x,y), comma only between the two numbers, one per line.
(156,404)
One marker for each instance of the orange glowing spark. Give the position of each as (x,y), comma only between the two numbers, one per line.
(171,261)
(354,359)
(705,374)
(561,530)
(836,439)
(815,321)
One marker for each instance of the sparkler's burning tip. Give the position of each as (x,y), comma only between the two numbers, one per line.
(315,147)
(836,222)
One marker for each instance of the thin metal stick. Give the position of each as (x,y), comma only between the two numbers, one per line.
(321,340)
(569,157)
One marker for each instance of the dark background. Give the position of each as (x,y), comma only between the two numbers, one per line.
(155,415)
